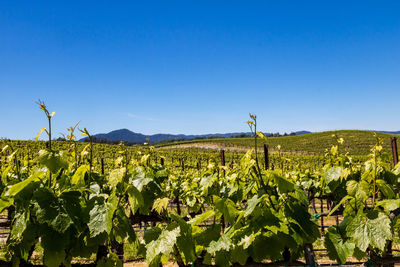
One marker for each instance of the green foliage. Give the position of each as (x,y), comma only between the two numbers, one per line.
(65,204)
(372,228)
(338,247)
(163,245)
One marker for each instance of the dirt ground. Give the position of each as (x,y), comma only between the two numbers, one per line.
(207,146)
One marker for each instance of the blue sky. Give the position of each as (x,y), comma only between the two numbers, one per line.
(198,67)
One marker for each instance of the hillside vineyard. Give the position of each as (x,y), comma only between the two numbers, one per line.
(108,204)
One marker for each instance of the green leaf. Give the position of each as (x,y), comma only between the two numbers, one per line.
(202,217)
(53,244)
(39,133)
(160,204)
(50,210)
(222,259)
(5,202)
(389,204)
(339,204)
(206,182)
(359,190)
(5,174)
(266,246)
(333,174)
(262,135)
(247,240)
(396,169)
(19,225)
(16,188)
(338,248)
(227,208)
(386,190)
(251,204)
(135,198)
(71,201)
(163,245)
(101,214)
(284,185)
(224,243)
(53,160)
(138,178)
(84,152)
(122,227)
(53,258)
(185,242)
(116,176)
(368,229)
(141,182)
(299,214)
(203,238)
(240,255)
(79,176)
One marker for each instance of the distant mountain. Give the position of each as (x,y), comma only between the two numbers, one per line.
(302,132)
(121,135)
(132,137)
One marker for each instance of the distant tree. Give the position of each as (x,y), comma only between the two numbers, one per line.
(242,135)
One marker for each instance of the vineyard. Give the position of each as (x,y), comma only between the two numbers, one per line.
(357,143)
(71,203)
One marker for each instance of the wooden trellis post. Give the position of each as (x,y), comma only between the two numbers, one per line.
(309,255)
(266,157)
(322,217)
(394,151)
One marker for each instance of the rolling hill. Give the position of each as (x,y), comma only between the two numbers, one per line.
(356,142)
(132,137)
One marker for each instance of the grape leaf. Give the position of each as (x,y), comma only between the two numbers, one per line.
(227,208)
(284,185)
(101,214)
(333,174)
(53,160)
(202,217)
(50,210)
(122,227)
(160,204)
(135,198)
(185,242)
(163,245)
(368,229)
(359,190)
(224,243)
(79,176)
(386,190)
(338,248)
(16,188)
(116,176)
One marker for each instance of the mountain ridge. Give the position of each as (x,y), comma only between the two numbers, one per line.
(139,138)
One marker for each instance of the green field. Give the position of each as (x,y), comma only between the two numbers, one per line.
(355,142)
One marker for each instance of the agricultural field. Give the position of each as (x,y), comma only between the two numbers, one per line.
(356,143)
(66,203)
(199,133)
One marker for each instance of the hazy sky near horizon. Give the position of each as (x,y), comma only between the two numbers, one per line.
(197,67)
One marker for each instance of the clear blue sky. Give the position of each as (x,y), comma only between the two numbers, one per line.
(199,67)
